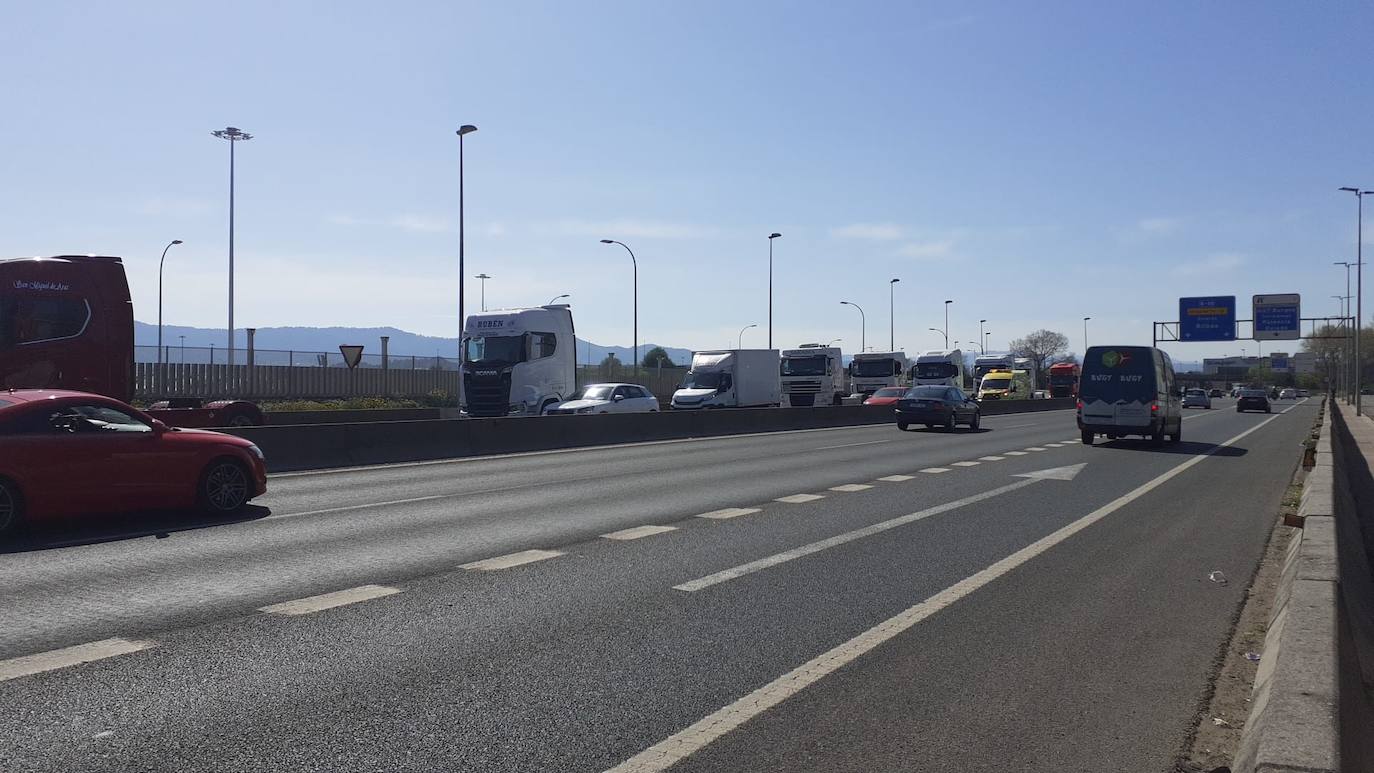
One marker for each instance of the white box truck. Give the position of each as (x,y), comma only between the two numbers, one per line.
(939,367)
(812,374)
(730,378)
(518,362)
(871,371)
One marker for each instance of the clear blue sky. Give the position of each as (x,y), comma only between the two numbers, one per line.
(1036,162)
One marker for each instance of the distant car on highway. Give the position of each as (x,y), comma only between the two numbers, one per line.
(1304,393)
(1253,400)
(608,398)
(1216,393)
(72,453)
(1197,398)
(886,396)
(937,406)
(1288,394)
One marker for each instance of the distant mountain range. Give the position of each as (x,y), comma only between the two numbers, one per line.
(328,339)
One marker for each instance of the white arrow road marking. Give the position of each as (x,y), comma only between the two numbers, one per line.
(1058,473)
(688,741)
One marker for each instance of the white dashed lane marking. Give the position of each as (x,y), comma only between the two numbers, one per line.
(991,458)
(1054,445)
(897,478)
(512,559)
(935,470)
(69,656)
(1014,453)
(729,512)
(852,487)
(796,499)
(1035,448)
(325,601)
(967,464)
(638,532)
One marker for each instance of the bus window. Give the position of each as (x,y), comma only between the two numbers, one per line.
(36,319)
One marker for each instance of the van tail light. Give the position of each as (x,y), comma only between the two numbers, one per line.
(1154,407)
(1080,405)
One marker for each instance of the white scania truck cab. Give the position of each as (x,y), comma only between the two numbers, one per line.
(730,378)
(985,363)
(518,362)
(939,367)
(812,374)
(871,371)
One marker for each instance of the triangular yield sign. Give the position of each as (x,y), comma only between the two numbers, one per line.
(352,355)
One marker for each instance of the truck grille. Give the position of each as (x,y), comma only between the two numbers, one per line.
(487,395)
(802,387)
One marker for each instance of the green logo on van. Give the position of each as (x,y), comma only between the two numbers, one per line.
(1112,358)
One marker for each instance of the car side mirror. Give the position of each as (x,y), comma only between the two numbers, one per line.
(159,426)
(617,398)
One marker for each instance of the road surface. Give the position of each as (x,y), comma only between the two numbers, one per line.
(854,599)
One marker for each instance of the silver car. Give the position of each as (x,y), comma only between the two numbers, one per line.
(1196,398)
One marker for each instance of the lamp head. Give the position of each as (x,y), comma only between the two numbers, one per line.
(466,128)
(176,241)
(608,241)
(774,235)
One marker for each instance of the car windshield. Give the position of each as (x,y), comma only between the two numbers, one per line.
(996,383)
(804,366)
(872,368)
(495,349)
(596,392)
(706,379)
(926,393)
(1196,393)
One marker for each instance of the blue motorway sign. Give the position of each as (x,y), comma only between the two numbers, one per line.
(1277,316)
(1207,319)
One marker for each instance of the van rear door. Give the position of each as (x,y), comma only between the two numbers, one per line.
(1118,385)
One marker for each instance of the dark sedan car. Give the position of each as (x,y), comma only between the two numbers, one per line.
(1253,400)
(937,406)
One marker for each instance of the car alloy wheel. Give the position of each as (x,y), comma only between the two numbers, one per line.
(226,486)
(9,507)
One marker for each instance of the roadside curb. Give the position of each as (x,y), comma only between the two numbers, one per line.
(1310,709)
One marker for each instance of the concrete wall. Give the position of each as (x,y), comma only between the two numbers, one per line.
(317,446)
(1311,708)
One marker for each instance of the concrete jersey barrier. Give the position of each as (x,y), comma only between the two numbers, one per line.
(326,445)
(1310,708)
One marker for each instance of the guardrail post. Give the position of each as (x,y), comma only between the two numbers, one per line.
(386,367)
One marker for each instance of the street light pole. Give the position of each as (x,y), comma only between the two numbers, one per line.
(484,279)
(556,297)
(634,265)
(1085,337)
(162,260)
(739,344)
(463,130)
(947,303)
(1359,287)
(863,325)
(892,315)
(982,347)
(771,237)
(234,136)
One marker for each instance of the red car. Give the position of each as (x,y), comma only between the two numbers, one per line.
(886,396)
(66,453)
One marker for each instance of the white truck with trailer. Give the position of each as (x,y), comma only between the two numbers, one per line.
(730,378)
(871,371)
(812,374)
(518,362)
(939,367)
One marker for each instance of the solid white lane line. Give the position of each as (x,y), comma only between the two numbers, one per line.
(638,532)
(369,504)
(796,499)
(991,458)
(512,559)
(935,470)
(852,487)
(851,445)
(69,656)
(1013,453)
(683,744)
(896,478)
(967,464)
(729,512)
(1035,448)
(840,539)
(325,601)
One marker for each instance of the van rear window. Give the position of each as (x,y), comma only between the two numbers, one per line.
(1118,373)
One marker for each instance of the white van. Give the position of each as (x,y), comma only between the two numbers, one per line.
(1129,390)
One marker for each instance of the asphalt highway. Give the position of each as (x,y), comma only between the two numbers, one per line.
(849,599)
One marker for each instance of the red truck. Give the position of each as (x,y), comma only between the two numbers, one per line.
(1064,379)
(67,322)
